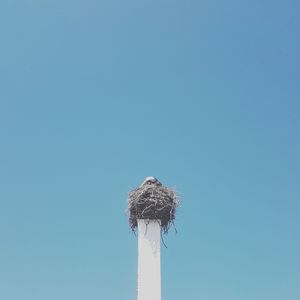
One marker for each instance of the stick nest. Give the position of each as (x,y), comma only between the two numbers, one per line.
(152,201)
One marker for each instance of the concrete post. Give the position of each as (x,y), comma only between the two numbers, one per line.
(149,278)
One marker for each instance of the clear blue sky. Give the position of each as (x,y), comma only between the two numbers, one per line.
(96,95)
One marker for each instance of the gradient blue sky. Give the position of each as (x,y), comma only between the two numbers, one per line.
(96,95)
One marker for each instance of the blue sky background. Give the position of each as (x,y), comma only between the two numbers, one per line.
(96,95)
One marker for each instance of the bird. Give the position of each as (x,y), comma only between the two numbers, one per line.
(150,180)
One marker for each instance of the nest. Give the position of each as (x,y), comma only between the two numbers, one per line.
(152,201)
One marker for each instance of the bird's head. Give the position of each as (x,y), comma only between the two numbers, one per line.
(151,180)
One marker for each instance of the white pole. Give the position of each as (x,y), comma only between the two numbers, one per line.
(149,286)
